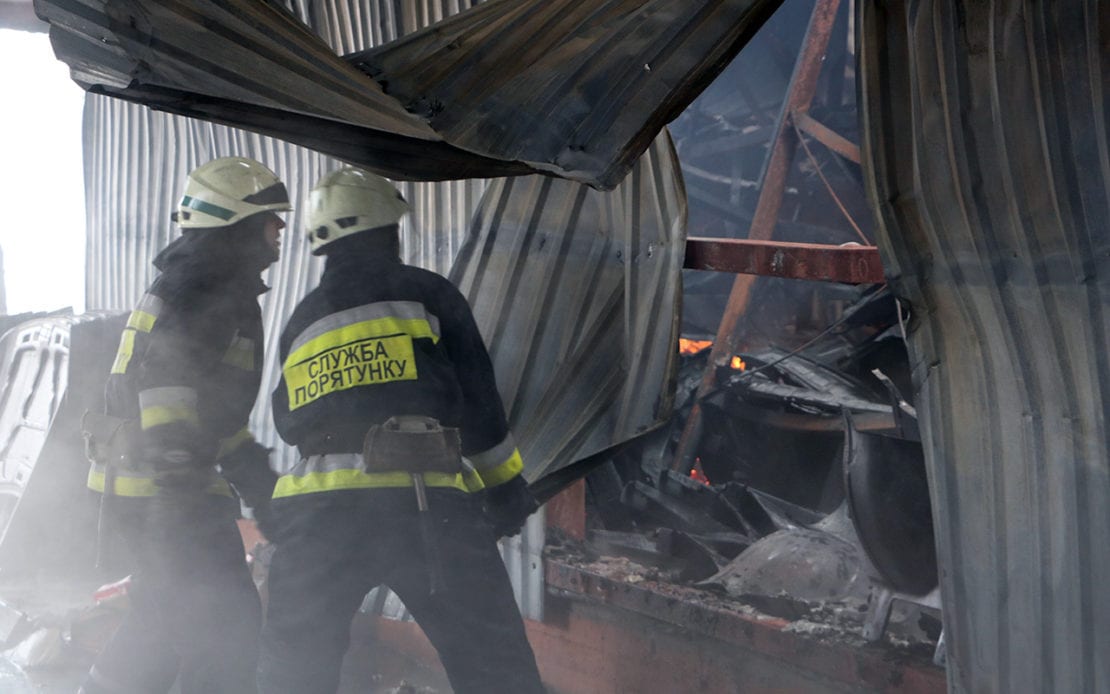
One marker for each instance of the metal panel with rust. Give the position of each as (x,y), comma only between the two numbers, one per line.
(853,264)
(985,150)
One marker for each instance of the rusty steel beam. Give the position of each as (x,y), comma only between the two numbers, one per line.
(800,261)
(827,136)
(776,166)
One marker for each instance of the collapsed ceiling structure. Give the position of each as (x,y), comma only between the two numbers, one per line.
(985,153)
(571,88)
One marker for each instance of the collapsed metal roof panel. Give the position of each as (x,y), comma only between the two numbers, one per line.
(504,88)
(244,52)
(252,65)
(574,88)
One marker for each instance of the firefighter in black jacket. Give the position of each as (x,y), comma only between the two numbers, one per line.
(377,343)
(174,435)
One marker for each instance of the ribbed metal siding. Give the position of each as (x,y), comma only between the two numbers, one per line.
(986,153)
(578,294)
(350,26)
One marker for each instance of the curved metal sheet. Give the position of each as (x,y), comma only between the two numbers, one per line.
(986,153)
(575,88)
(578,294)
(508,87)
(244,52)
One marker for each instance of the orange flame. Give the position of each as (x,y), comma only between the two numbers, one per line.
(738,364)
(689,347)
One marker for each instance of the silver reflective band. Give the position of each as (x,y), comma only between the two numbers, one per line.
(495,456)
(327,462)
(150,304)
(331,462)
(401,310)
(168,396)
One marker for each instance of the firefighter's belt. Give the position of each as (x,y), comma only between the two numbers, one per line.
(108,440)
(414,445)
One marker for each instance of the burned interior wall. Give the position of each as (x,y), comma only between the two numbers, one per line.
(987,158)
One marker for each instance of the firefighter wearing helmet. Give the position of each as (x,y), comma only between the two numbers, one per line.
(171,452)
(408,473)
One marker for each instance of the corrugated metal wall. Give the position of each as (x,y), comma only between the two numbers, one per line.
(578,293)
(986,151)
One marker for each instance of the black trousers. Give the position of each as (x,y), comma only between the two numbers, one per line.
(337,546)
(195,613)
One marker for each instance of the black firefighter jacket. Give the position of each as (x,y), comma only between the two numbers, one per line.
(376,339)
(189,364)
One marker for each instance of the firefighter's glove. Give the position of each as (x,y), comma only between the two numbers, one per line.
(268,523)
(247,469)
(508,505)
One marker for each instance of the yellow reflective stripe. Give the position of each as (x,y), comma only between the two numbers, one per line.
(415,328)
(503,472)
(240,353)
(139,486)
(159,415)
(335,480)
(229,444)
(123,354)
(141,321)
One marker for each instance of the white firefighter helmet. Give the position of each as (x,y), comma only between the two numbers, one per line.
(348,201)
(227,190)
